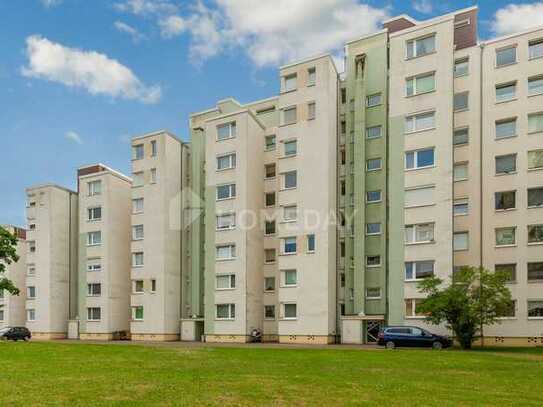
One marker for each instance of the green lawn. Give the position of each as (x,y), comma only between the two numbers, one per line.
(82,374)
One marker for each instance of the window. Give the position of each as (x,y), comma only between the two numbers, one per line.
(269,311)
(535,123)
(535,271)
(373,293)
(227,191)
(290,213)
(419,159)
(1,315)
(289,245)
(461,101)
(535,85)
(227,161)
(373,261)
(373,229)
(225,311)
(343,125)
(270,198)
(421,46)
(535,234)
(418,270)
(153,176)
(506,92)
(506,128)
(505,200)
(137,152)
(289,311)
(137,205)
(411,308)
(32,247)
(460,207)
(415,197)
(291,148)
(137,259)
(226,281)
(94,314)
(418,122)
(373,132)
(226,131)
(289,83)
(137,179)
(506,56)
(373,164)
(506,164)
(460,172)
(226,252)
(31,292)
(137,232)
(420,84)
(508,270)
(373,196)
(137,313)
(32,226)
(311,76)
(290,180)
(535,309)
(535,48)
(311,243)
(461,67)
(269,171)
(269,284)
(269,227)
(31,270)
(137,286)
(289,115)
(461,136)
(94,265)
(343,95)
(94,289)
(153,148)
(270,142)
(535,197)
(94,214)
(226,221)
(289,278)
(311,110)
(153,285)
(30,314)
(94,238)
(420,233)
(505,236)
(460,241)
(95,188)
(373,100)
(269,255)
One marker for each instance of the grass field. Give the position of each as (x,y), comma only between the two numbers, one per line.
(81,374)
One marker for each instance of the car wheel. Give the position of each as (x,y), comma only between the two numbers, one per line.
(390,345)
(437,345)
(26,338)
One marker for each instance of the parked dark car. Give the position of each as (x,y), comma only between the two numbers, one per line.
(411,336)
(15,334)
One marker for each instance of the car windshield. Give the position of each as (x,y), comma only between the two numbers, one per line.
(4,330)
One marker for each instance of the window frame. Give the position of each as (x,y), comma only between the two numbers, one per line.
(414,80)
(231,277)
(231,191)
(232,131)
(415,159)
(415,41)
(231,161)
(414,264)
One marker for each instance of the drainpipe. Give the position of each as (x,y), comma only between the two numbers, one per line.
(481,104)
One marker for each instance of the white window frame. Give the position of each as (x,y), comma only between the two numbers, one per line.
(375,201)
(138,179)
(232,130)
(135,312)
(415,41)
(231,224)
(311,110)
(231,157)
(231,308)
(514,46)
(283,308)
(92,239)
(138,232)
(91,292)
(377,297)
(284,243)
(368,265)
(414,80)
(414,264)
(374,169)
(135,204)
(415,118)
(311,76)
(138,152)
(31,292)
(232,250)
(231,191)
(94,265)
(373,233)
(284,180)
(414,232)
(135,257)
(416,159)
(91,314)
(91,211)
(455,249)
(369,98)
(31,314)
(94,188)
(231,277)
(290,82)
(464,202)
(288,109)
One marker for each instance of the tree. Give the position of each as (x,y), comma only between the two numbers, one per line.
(8,255)
(476,297)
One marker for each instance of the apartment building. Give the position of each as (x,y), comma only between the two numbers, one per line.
(51,260)
(159,275)
(104,252)
(12,307)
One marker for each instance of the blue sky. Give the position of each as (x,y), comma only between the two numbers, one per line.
(78,78)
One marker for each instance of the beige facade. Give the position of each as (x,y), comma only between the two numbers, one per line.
(104,252)
(12,307)
(51,260)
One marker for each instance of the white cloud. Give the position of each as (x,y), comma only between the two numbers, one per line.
(423,6)
(517,17)
(171,26)
(90,70)
(73,136)
(146,7)
(50,3)
(127,29)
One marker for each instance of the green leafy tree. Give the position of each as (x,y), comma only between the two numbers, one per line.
(475,298)
(8,255)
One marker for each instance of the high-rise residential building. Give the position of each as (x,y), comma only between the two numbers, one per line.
(158,252)
(51,260)
(104,252)
(12,307)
